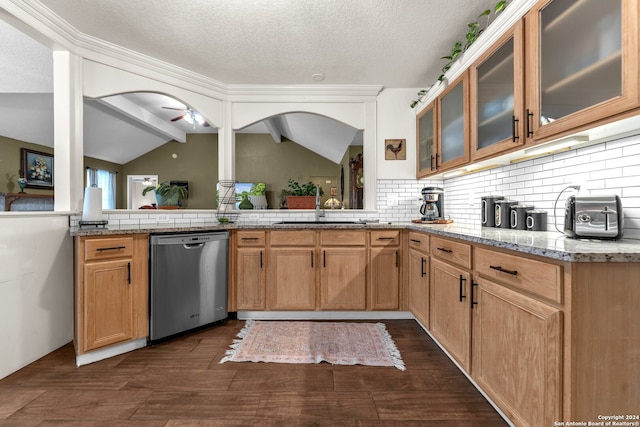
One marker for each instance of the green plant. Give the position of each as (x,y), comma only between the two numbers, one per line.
(474,29)
(167,190)
(306,189)
(421,94)
(258,189)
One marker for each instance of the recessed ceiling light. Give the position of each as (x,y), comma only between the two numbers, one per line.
(317,77)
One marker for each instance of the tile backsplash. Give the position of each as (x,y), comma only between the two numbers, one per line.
(611,167)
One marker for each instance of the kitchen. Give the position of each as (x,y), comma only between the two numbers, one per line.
(610,166)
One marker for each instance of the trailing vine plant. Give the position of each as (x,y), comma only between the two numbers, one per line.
(474,29)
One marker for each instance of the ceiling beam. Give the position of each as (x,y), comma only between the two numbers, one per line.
(145,117)
(273,127)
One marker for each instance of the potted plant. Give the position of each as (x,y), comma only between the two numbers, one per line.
(168,194)
(301,196)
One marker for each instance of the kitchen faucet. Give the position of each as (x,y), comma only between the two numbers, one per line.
(319,213)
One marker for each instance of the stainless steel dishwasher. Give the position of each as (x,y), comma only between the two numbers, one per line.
(188,274)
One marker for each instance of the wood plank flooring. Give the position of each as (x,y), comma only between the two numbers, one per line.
(180,383)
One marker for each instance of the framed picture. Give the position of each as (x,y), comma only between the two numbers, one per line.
(395,149)
(37,168)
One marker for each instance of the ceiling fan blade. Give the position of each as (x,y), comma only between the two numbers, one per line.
(178,118)
(205,124)
(172,108)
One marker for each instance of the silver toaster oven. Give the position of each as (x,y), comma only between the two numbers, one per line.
(593,217)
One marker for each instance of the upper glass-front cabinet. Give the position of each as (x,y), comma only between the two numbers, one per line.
(453,124)
(582,59)
(497,97)
(425,134)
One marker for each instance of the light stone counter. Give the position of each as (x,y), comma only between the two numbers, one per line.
(548,244)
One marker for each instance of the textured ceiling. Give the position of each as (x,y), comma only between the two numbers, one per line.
(395,43)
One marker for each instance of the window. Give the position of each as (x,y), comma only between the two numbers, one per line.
(105,180)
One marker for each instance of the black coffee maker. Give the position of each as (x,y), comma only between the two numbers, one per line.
(432,208)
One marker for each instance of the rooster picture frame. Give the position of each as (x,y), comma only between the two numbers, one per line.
(395,149)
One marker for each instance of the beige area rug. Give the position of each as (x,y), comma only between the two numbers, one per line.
(339,343)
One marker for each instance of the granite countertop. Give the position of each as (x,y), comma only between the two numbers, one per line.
(553,245)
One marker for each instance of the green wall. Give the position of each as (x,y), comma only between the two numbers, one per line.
(196,162)
(121,188)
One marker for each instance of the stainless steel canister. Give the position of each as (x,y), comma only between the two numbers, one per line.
(519,216)
(503,210)
(537,220)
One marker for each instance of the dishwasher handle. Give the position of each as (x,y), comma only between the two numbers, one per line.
(193,245)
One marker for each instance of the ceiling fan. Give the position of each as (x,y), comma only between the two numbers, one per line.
(189,116)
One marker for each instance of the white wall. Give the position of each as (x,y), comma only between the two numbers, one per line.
(36,288)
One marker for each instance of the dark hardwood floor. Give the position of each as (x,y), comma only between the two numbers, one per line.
(181,383)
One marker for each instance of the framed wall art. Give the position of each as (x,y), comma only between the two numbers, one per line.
(395,149)
(37,169)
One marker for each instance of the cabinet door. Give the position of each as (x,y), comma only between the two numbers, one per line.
(517,347)
(384,277)
(108,303)
(453,124)
(292,279)
(582,63)
(425,137)
(343,278)
(450,313)
(250,278)
(496,97)
(419,286)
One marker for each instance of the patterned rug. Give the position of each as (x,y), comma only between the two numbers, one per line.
(338,343)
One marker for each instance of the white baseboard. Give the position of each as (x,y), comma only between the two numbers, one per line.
(325,315)
(107,352)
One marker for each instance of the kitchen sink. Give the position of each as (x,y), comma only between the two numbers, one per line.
(316,222)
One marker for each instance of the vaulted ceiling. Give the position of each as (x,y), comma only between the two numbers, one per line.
(393,43)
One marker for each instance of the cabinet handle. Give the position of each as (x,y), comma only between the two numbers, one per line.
(248,238)
(431,167)
(473,301)
(129,272)
(445,250)
(514,128)
(397,259)
(504,270)
(415,240)
(422,272)
(529,123)
(311,259)
(386,238)
(437,155)
(324,258)
(462,280)
(261,264)
(113,248)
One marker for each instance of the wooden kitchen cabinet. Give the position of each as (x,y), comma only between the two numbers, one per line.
(292,270)
(582,63)
(517,353)
(426,143)
(251,270)
(449,310)
(419,268)
(497,97)
(111,290)
(452,125)
(384,270)
(343,278)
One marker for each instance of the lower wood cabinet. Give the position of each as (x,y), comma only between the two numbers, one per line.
(111,291)
(517,348)
(251,279)
(385,257)
(343,279)
(291,283)
(419,286)
(449,310)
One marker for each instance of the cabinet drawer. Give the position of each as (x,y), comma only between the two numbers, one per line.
(454,252)
(385,238)
(419,241)
(533,276)
(293,238)
(108,247)
(342,238)
(251,238)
